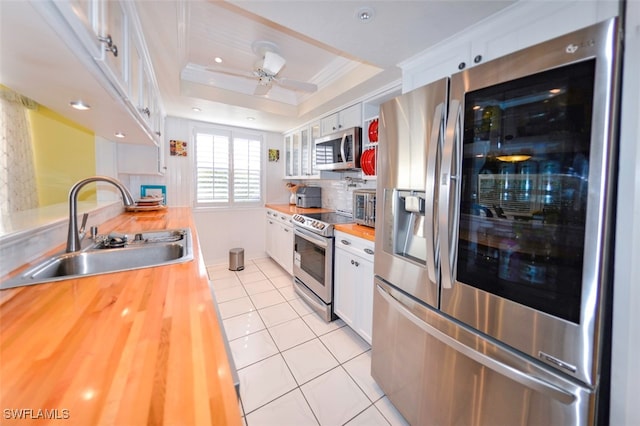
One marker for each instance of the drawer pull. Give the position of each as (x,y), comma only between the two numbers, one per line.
(345,242)
(368,251)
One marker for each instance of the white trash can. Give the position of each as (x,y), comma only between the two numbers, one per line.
(236,259)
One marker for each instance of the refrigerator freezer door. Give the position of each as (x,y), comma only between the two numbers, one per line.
(410,139)
(438,372)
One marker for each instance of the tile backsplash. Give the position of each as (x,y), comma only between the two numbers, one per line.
(338,194)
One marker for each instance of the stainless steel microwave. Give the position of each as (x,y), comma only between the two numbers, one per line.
(340,150)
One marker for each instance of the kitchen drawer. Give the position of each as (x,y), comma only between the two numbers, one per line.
(280,217)
(354,245)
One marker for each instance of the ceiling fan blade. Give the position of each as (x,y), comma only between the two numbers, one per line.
(262,89)
(297,85)
(232,72)
(273,63)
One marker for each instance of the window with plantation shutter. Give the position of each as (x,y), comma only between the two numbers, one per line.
(228,168)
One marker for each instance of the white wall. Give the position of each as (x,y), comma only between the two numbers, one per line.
(219,229)
(625,375)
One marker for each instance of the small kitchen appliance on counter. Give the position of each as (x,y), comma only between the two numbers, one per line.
(364,207)
(309,196)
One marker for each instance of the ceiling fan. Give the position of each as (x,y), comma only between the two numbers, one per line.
(266,71)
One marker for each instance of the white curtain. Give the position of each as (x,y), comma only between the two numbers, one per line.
(18,189)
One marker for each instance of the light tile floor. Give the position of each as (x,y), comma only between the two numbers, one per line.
(294,368)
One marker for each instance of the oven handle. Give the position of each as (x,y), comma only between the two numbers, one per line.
(311,237)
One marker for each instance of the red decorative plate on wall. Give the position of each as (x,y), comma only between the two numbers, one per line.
(373,131)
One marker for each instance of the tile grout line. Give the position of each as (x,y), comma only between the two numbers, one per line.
(280,353)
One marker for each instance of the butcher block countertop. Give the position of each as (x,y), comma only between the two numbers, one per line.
(127,348)
(292,209)
(357,230)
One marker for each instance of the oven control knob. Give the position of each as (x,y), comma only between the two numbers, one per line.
(321,226)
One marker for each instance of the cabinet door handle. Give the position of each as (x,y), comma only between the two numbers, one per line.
(110,46)
(286,230)
(345,242)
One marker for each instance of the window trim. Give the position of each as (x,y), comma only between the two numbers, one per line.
(231,133)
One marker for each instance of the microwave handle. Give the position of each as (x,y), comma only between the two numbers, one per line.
(344,138)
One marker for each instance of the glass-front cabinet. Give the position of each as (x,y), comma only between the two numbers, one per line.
(300,155)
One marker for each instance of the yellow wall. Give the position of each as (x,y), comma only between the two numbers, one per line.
(64,154)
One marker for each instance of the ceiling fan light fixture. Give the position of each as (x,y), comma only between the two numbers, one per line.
(273,63)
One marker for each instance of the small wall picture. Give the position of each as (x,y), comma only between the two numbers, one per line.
(274,154)
(178,148)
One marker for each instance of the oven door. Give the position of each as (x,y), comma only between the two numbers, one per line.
(313,262)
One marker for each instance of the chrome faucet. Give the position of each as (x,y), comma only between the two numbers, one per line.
(73,237)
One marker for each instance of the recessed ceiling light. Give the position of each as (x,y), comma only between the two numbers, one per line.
(80,105)
(217,60)
(120,135)
(251,118)
(196,109)
(365,14)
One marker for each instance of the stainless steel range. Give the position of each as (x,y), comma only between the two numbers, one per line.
(313,259)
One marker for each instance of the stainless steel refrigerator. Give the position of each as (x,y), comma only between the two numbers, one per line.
(493,243)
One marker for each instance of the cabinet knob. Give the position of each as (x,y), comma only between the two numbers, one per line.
(111,47)
(477,59)
(462,65)
(146,111)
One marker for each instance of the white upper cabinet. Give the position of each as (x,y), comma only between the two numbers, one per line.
(115,31)
(110,31)
(84,18)
(300,155)
(344,119)
(517,27)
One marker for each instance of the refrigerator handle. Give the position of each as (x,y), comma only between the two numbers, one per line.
(430,215)
(517,372)
(448,193)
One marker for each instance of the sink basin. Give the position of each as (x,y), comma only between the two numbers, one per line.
(145,249)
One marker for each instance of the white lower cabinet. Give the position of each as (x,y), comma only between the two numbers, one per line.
(353,283)
(279,239)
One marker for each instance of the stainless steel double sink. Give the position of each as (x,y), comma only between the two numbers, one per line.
(141,250)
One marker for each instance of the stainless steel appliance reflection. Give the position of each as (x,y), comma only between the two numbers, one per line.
(313,260)
(493,240)
(364,207)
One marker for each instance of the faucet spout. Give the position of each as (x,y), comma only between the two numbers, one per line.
(73,236)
